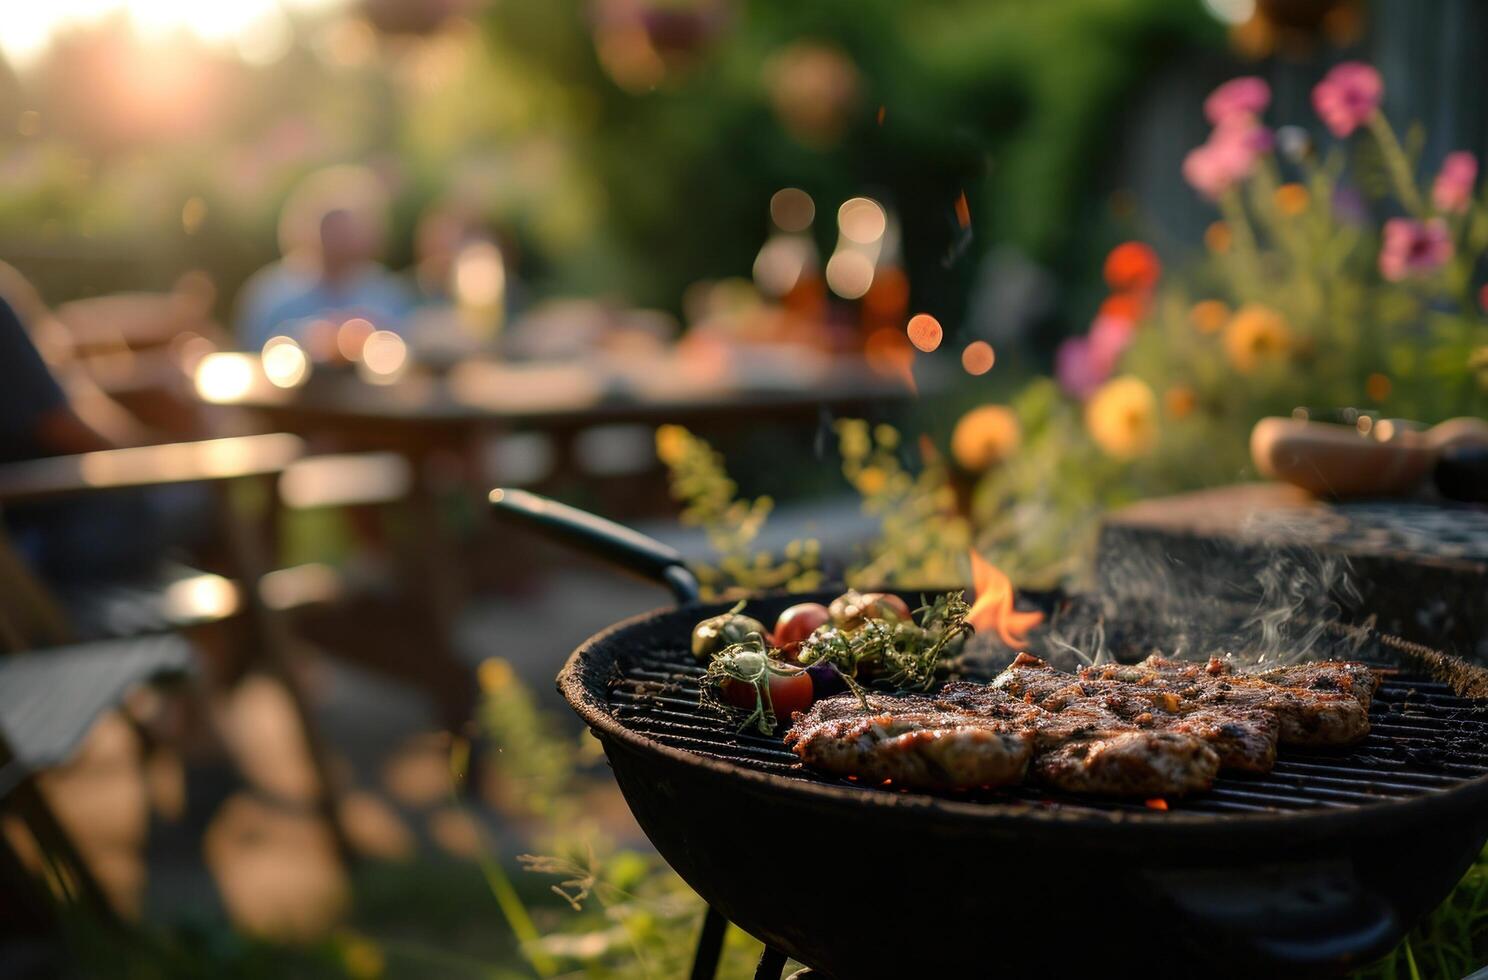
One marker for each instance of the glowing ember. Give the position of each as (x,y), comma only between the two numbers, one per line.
(993,608)
(963,211)
(1157,803)
(924,332)
(978,357)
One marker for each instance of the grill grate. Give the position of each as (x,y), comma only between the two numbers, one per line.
(1423,738)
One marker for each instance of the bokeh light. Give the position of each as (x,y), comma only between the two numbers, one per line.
(224,376)
(849,273)
(978,357)
(480,276)
(384,357)
(352,337)
(780,262)
(792,209)
(862,220)
(924,332)
(285,363)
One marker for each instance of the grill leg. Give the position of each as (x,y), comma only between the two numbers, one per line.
(709,947)
(772,961)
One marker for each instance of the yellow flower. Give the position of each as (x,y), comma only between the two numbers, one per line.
(985,436)
(1291,199)
(1208,316)
(671,443)
(1122,417)
(1180,401)
(1217,238)
(494,674)
(1254,335)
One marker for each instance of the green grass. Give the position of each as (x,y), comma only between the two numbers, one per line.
(1450,943)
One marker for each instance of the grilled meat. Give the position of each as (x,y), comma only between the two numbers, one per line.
(1134,763)
(971,735)
(911,743)
(1159,728)
(1245,738)
(1306,717)
(1329,676)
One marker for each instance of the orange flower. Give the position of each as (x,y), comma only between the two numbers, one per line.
(1256,334)
(985,436)
(1377,387)
(1209,316)
(1122,417)
(1132,266)
(1291,199)
(1217,238)
(1180,401)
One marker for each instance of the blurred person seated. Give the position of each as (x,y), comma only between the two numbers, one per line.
(331,234)
(77,541)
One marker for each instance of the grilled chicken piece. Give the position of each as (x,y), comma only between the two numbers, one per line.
(911,743)
(1306,717)
(1129,764)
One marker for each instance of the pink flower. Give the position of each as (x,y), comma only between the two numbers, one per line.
(1077,369)
(1229,155)
(1414,248)
(1454,184)
(1082,364)
(1109,336)
(1245,97)
(1347,96)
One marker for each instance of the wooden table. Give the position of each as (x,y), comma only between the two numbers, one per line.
(424,416)
(487,396)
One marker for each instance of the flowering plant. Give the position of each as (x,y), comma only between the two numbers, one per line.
(1332,278)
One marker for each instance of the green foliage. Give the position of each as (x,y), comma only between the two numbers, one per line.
(628,914)
(922,541)
(709,499)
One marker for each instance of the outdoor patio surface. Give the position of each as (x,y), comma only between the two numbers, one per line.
(178,842)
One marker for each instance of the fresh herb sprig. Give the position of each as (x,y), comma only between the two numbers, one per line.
(747,662)
(915,657)
(895,656)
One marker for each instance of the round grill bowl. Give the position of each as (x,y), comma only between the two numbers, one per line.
(861,883)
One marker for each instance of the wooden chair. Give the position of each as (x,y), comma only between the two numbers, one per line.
(48,702)
(141,619)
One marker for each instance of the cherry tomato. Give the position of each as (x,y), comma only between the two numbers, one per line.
(788,693)
(797,623)
(883,605)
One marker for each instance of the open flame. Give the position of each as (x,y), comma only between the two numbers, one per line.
(993,606)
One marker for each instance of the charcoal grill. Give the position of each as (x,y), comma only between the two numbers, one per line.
(1311,869)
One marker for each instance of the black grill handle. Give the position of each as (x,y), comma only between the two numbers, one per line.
(615,543)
